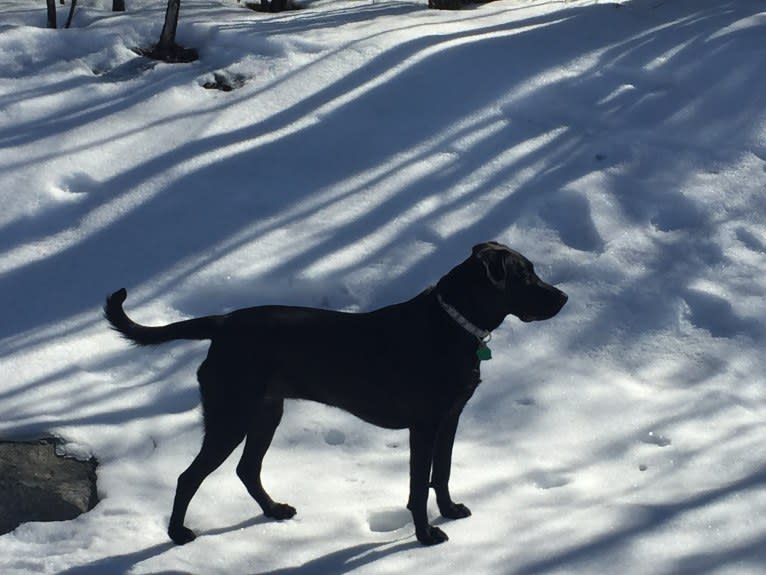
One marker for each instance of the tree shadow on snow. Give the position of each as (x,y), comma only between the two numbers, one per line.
(213,208)
(288,168)
(115,249)
(648,518)
(516,167)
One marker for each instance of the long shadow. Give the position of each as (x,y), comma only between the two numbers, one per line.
(337,562)
(648,186)
(153,239)
(121,564)
(112,246)
(142,246)
(647,519)
(171,394)
(346,560)
(286,117)
(77,114)
(751,553)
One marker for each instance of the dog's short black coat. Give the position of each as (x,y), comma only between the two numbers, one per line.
(410,365)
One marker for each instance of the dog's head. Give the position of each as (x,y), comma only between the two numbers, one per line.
(527,296)
(496,281)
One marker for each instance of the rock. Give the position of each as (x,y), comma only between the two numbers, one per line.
(36,484)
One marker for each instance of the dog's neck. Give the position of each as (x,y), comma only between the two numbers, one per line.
(475,303)
(481,334)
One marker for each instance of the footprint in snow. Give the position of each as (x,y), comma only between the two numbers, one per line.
(334,437)
(716,314)
(387,520)
(569,213)
(73,187)
(549,479)
(652,438)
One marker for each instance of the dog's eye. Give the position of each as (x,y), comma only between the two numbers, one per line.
(529,275)
(526,270)
(529,279)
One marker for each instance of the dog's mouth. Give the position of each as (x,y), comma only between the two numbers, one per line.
(541,316)
(546,311)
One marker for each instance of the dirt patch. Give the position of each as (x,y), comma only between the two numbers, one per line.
(36,484)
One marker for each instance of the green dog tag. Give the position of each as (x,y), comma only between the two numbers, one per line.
(484,353)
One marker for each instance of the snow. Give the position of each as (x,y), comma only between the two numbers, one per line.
(621,146)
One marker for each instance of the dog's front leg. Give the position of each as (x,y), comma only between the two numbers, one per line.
(441,471)
(421,455)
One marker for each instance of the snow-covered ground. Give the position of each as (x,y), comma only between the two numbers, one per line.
(622,147)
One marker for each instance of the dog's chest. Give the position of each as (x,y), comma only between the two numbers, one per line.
(465,387)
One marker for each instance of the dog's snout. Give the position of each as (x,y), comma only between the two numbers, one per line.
(561,299)
(553,302)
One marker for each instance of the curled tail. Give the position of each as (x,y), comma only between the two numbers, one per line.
(200,328)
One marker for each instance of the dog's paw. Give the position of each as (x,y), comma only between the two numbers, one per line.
(280,511)
(431,535)
(454,510)
(181,535)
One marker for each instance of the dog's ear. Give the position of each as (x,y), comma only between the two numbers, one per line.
(493,260)
(487,246)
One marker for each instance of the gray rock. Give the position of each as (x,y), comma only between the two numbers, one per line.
(36,484)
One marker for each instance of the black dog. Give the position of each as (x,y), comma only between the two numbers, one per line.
(410,365)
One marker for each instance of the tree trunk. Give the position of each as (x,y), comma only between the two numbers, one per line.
(51,13)
(71,14)
(118,5)
(166,49)
(168,36)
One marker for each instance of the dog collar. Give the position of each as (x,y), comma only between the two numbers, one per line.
(483,353)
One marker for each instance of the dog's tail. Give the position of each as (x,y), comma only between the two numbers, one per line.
(199,328)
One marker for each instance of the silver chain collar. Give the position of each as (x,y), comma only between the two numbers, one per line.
(481,334)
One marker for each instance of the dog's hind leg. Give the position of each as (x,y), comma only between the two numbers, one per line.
(225,418)
(216,447)
(259,435)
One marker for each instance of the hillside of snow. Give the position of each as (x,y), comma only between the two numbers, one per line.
(367,146)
